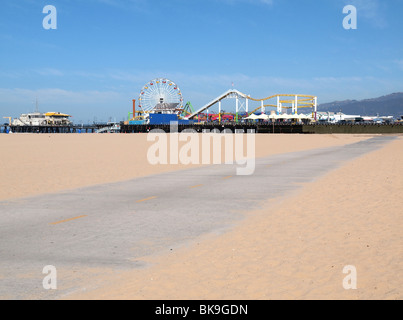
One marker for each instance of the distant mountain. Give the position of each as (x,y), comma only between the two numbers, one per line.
(390,105)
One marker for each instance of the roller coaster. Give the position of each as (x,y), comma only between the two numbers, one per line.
(281,102)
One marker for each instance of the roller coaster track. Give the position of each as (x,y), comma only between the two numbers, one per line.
(216,100)
(307,101)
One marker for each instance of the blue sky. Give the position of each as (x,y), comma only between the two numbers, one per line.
(104,51)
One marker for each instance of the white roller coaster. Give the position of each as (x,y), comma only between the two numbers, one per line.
(281,102)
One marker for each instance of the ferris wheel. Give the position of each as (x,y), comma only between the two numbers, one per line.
(160,92)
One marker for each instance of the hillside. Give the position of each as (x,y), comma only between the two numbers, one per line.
(386,105)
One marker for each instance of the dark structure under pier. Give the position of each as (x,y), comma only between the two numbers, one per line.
(89,128)
(276,128)
(396,128)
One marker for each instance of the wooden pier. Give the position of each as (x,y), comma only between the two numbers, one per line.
(88,128)
(209,127)
(396,128)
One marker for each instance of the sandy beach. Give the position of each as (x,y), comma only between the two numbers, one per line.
(148,154)
(40,164)
(294,247)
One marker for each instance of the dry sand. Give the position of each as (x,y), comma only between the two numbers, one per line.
(295,248)
(33,164)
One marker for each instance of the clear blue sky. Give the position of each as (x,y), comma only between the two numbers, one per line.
(104,51)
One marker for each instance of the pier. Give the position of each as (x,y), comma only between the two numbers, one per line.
(396,128)
(275,128)
(209,127)
(86,128)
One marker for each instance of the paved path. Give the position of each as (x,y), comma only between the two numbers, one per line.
(114,225)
